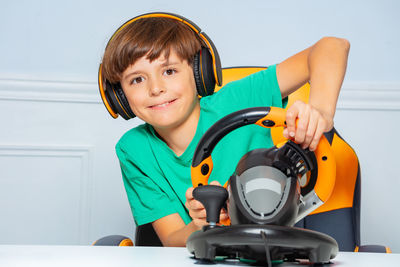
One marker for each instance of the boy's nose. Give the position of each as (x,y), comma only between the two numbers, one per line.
(156,88)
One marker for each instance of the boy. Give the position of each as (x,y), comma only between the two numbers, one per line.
(152,59)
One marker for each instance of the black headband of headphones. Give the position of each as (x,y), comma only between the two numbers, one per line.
(206,68)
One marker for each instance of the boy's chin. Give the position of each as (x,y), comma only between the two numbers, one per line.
(165,125)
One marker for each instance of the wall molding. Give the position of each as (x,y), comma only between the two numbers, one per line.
(49,91)
(383,96)
(84,154)
(353,96)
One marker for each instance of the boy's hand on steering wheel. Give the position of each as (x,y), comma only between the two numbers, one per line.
(311,124)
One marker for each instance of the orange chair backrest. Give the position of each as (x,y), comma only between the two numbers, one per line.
(346,158)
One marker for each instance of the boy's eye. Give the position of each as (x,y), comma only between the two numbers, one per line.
(169,71)
(137,80)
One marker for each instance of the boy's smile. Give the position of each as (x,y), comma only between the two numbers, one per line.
(162,105)
(162,92)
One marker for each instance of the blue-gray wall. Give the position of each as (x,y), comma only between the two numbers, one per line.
(59,178)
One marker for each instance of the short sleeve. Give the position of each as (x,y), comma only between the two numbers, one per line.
(147,200)
(258,89)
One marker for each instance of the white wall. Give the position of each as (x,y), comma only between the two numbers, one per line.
(59,177)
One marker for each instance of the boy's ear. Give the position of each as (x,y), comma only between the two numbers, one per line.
(203,71)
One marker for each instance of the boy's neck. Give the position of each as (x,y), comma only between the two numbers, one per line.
(179,137)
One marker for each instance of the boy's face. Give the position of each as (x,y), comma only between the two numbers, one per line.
(163,92)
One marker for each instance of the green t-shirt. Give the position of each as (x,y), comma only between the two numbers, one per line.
(156,179)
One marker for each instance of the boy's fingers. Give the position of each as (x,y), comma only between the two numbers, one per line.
(200,222)
(189,193)
(191,203)
(311,129)
(302,125)
(291,116)
(215,183)
(285,133)
(194,205)
(317,136)
(199,214)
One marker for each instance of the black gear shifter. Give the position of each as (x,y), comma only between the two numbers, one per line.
(213,198)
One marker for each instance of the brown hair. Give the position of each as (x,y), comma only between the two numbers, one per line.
(151,36)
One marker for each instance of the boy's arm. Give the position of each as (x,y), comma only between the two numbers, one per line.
(172,231)
(324,66)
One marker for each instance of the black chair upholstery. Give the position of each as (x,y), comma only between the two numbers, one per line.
(146,236)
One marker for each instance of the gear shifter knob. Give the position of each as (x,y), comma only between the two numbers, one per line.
(213,197)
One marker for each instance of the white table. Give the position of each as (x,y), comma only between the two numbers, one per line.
(76,256)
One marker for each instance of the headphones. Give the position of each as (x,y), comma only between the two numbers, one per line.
(206,69)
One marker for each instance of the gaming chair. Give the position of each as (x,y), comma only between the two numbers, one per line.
(339,217)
